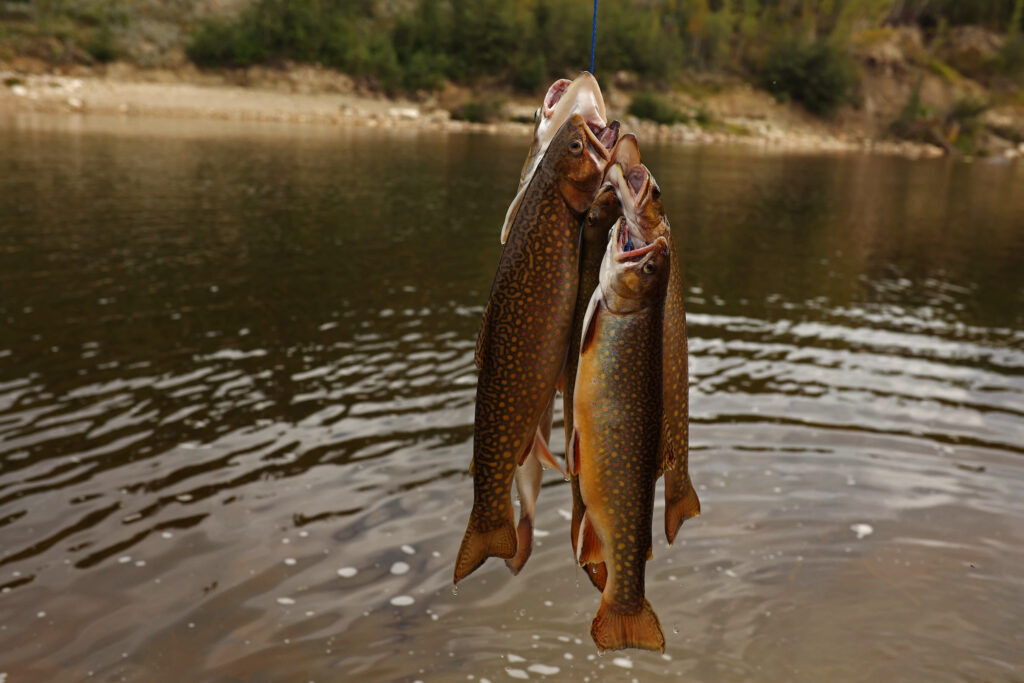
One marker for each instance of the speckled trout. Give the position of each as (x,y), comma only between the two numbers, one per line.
(521,347)
(601,216)
(615,446)
(563,98)
(641,201)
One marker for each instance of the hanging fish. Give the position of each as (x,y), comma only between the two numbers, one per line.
(564,97)
(601,217)
(521,347)
(642,205)
(614,450)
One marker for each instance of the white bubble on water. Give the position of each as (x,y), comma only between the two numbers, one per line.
(408,549)
(862,530)
(347,572)
(543,669)
(402,600)
(124,559)
(399,568)
(289,561)
(517,673)
(565,514)
(167,534)
(40,614)
(514,659)
(541,533)
(624,662)
(285,601)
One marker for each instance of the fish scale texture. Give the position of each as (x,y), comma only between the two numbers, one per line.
(600,218)
(618,413)
(680,497)
(520,353)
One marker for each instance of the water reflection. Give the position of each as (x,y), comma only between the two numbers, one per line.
(236,390)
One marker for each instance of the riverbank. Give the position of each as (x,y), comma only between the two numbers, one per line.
(300,95)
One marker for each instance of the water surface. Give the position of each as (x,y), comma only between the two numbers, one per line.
(236,404)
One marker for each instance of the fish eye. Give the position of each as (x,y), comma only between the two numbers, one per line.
(576,146)
(656,192)
(649,268)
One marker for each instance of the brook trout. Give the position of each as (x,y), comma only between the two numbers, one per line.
(600,218)
(521,347)
(642,205)
(617,413)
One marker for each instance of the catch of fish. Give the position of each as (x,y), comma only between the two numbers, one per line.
(587,299)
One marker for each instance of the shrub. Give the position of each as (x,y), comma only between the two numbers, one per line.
(649,105)
(818,76)
(483,110)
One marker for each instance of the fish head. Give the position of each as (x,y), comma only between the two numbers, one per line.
(632,277)
(601,216)
(564,98)
(578,155)
(638,191)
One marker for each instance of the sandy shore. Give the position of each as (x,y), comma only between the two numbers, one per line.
(164,95)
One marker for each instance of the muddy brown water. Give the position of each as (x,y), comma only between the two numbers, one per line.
(236,403)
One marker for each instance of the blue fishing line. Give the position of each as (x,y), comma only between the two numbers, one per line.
(593,38)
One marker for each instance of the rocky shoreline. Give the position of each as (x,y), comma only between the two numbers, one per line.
(327,102)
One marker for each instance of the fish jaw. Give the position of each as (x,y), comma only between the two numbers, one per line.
(563,99)
(581,161)
(633,277)
(640,196)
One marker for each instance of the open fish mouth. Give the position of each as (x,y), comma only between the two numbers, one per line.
(554,94)
(630,246)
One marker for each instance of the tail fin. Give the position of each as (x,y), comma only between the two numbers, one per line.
(525,534)
(678,508)
(477,546)
(613,630)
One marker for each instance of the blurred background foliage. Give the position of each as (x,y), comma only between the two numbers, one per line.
(799,50)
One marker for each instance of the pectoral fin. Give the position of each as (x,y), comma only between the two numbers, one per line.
(513,209)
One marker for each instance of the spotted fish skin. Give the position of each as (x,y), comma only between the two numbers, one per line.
(617,416)
(681,500)
(642,202)
(522,342)
(602,215)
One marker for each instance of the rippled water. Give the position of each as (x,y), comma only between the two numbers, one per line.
(236,403)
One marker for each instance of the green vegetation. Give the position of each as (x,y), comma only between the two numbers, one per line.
(955,130)
(797,48)
(649,105)
(818,76)
(800,50)
(484,110)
